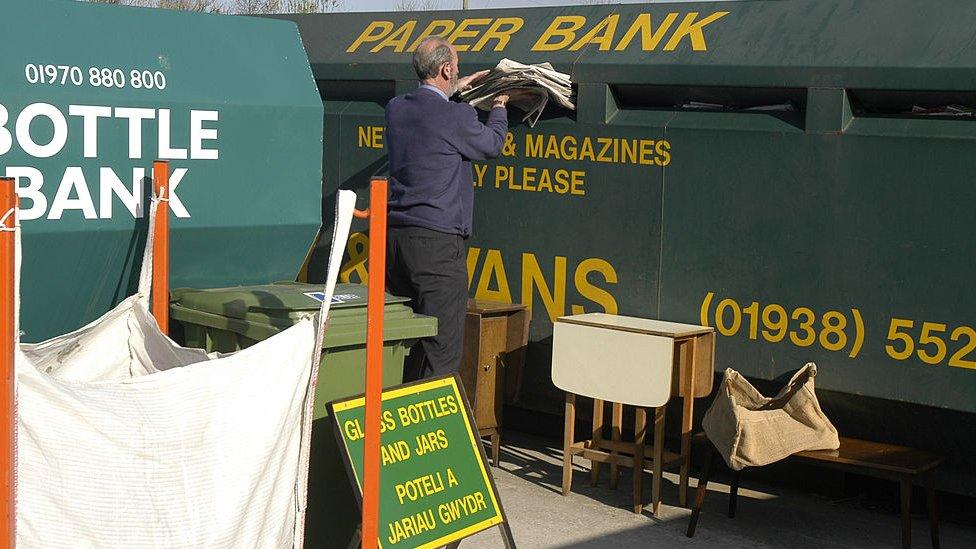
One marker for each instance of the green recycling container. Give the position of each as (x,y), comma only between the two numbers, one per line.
(229,319)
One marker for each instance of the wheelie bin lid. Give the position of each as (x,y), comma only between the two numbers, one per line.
(262,310)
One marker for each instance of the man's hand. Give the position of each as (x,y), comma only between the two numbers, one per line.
(465,82)
(502,99)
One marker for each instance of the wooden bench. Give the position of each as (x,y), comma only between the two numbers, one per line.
(874,459)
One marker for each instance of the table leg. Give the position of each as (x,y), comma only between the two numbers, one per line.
(933,506)
(687,415)
(640,433)
(597,437)
(734,492)
(568,437)
(658,459)
(615,434)
(906,512)
(700,491)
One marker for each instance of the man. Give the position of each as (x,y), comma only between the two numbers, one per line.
(431,142)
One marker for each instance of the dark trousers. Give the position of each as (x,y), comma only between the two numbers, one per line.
(430,269)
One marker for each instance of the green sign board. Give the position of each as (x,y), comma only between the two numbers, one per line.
(434,485)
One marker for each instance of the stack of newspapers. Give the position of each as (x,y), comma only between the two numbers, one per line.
(536,85)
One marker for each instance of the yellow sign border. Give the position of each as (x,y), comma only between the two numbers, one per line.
(359,402)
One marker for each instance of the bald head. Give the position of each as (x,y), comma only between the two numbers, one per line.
(431,57)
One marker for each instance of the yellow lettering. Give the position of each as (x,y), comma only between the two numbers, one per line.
(555,300)
(389,424)
(494,267)
(448,512)
(552,148)
(647,152)
(664,153)
(528,177)
(589,291)
(495,32)
(562,181)
(566,33)
(462,32)
(545,181)
(473,254)
(368,35)
(409,527)
(437,27)
(395,453)
(396,532)
(608,27)
(404,416)
(428,520)
(577,182)
(352,429)
(504,174)
(356,247)
(480,170)
(370,137)
(586,151)
(643,25)
(533,146)
(693,31)
(628,151)
(567,148)
(606,142)
(397,40)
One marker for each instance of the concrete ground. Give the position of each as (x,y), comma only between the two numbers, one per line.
(529,481)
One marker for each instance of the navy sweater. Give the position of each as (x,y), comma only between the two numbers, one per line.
(431,142)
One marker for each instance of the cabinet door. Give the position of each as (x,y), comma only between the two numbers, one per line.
(470,356)
(490,393)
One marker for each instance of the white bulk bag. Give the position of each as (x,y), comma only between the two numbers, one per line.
(126,439)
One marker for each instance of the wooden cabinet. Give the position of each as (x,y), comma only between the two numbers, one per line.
(493,361)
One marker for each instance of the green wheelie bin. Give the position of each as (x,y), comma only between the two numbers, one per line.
(229,319)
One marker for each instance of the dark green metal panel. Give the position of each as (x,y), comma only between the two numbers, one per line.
(250,193)
(845,215)
(897,44)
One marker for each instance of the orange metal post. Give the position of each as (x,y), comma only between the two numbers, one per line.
(376,301)
(8,201)
(160,266)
